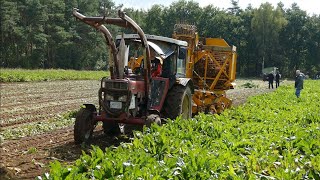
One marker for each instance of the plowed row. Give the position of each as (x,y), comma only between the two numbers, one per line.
(23,103)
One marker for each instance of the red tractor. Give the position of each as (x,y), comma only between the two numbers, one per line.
(147,83)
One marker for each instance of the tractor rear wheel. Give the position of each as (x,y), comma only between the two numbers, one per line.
(178,102)
(111,128)
(84,125)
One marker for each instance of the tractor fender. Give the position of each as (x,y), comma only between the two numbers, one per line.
(186,82)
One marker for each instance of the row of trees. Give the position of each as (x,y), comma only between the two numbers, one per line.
(44,34)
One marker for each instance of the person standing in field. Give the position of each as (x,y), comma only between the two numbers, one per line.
(278,79)
(298,82)
(270,79)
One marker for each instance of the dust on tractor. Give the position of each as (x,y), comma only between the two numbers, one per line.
(153,78)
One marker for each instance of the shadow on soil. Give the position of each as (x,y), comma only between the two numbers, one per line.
(69,152)
(5,174)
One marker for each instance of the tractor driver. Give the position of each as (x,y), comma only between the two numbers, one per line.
(156,64)
(156,67)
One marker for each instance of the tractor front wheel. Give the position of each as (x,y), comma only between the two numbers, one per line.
(84,125)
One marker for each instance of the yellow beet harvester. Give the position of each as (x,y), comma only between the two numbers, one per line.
(211,64)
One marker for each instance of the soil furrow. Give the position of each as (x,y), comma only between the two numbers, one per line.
(31,116)
(44,104)
(10,104)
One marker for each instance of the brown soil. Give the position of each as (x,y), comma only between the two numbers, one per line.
(29,157)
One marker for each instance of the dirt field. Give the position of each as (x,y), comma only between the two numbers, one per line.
(36,103)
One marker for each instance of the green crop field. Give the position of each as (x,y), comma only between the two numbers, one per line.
(23,75)
(272,136)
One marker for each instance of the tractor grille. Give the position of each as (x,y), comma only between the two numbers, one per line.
(116,85)
(115,96)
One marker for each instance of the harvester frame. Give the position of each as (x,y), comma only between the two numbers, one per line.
(211,65)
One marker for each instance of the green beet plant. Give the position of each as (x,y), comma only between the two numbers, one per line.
(272,136)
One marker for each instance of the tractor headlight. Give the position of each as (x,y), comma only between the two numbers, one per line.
(122,98)
(109,97)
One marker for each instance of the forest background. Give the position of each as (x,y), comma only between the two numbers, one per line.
(39,34)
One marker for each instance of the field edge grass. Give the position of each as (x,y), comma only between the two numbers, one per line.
(27,75)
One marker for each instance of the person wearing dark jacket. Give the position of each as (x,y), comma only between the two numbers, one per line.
(298,84)
(277,80)
(270,79)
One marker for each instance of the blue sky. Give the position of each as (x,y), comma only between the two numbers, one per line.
(311,6)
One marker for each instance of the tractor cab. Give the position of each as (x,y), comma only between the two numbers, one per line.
(167,56)
(167,65)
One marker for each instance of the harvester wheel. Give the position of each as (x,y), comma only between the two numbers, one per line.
(111,128)
(84,125)
(178,102)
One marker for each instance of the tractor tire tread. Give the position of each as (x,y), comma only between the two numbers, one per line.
(174,99)
(81,125)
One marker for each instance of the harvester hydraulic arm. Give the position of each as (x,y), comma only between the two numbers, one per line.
(126,22)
